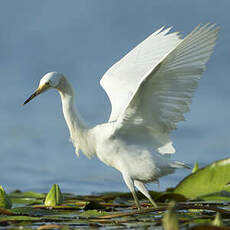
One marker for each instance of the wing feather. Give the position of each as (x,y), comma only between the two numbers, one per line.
(163,96)
(122,79)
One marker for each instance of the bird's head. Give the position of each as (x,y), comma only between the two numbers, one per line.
(49,80)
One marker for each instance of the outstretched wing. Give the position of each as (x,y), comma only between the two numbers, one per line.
(122,79)
(164,94)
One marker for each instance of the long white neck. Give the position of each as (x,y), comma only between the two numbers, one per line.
(79,132)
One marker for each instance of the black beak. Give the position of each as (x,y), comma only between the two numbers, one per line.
(39,90)
(31,97)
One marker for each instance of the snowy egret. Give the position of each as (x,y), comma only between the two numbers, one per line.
(150,89)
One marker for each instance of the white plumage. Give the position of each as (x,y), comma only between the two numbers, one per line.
(150,89)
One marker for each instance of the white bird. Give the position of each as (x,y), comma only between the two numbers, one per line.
(150,89)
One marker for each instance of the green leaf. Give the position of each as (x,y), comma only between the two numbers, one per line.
(93,213)
(5,201)
(218,220)
(19,194)
(31,211)
(209,180)
(18,218)
(195,167)
(54,196)
(168,196)
(217,196)
(169,220)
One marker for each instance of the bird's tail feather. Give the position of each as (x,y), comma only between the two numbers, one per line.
(178,164)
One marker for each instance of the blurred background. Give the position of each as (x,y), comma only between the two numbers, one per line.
(82,39)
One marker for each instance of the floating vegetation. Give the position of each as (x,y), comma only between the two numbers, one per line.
(196,167)
(200,201)
(5,201)
(218,220)
(54,196)
(209,183)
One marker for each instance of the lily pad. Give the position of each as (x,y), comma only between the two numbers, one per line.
(93,213)
(167,196)
(19,194)
(211,179)
(30,211)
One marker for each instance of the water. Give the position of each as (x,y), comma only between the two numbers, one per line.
(83,39)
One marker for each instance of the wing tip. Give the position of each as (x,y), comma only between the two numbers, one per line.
(207,27)
(167,149)
(166,31)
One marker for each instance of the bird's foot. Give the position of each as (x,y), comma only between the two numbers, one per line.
(154,204)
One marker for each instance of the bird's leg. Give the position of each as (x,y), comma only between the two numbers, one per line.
(130,184)
(141,187)
(136,200)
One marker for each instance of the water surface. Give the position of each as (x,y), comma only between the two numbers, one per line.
(83,39)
